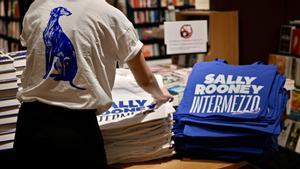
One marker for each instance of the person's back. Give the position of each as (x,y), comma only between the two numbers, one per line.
(72,52)
(73,47)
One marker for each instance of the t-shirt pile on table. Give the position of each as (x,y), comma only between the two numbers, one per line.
(230,112)
(133,129)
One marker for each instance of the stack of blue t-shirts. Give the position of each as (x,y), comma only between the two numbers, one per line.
(230,112)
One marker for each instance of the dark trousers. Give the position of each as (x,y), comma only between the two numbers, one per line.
(51,136)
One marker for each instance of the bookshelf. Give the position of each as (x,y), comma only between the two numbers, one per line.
(223,33)
(10,25)
(147,16)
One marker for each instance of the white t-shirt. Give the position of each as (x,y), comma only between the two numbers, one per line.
(73,47)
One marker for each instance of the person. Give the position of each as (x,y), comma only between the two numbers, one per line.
(73,47)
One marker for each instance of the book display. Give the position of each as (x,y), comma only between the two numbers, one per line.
(288,62)
(289,43)
(10,25)
(147,17)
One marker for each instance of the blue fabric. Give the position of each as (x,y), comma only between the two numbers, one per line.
(230,109)
(264,74)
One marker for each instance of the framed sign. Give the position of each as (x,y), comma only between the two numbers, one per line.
(183,37)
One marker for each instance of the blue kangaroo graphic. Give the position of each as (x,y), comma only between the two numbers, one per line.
(59,50)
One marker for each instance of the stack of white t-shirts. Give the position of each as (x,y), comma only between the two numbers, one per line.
(133,130)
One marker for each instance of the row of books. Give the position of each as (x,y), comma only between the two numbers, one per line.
(170,15)
(13,9)
(3,45)
(14,29)
(14,46)
(143,33)
(143,3)
(2,8)
(289,137)
(179,2)
(288,66)
(151,16)
(11,68)
(163,3)
(2,27)
(187,60)
(294,108)
(289,42)
(151,50)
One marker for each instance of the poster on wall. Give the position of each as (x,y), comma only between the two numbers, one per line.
(183,37)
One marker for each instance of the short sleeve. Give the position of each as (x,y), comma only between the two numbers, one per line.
(129,45)
(24,32)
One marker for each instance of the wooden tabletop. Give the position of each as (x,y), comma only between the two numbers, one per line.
(182,164)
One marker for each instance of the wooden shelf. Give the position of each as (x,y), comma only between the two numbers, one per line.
(151,41)
(156,57)
(13,19)
(162,8)
(146,8)
(9,38)
(150,24)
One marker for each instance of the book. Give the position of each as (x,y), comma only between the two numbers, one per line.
(293,136)
(285,39)
(295,46)
(286,129)
(283,62)
(295,23)
(295,103)
(296,72)
(202,4)
(148,50)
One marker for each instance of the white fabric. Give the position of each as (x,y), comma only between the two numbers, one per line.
(100,34)
(127,95)
(130,134)
(139,156)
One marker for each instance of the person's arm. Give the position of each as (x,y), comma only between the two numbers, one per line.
(146,79)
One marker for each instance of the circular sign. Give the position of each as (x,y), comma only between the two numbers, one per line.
(186,31)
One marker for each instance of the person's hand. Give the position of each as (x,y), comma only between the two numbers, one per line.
(163,98)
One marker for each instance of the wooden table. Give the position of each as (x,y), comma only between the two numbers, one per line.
(184,164)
